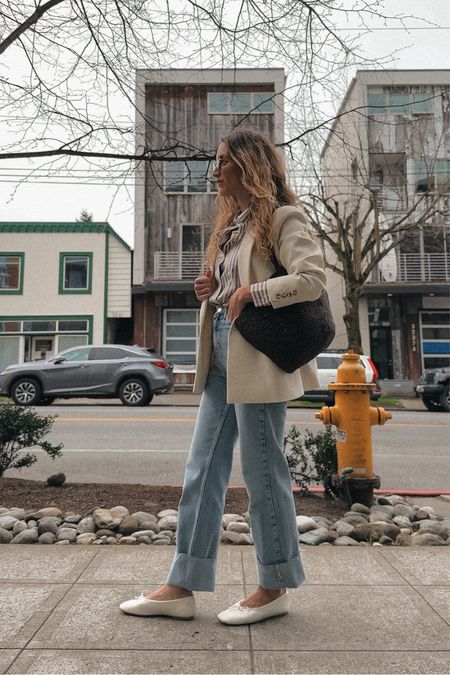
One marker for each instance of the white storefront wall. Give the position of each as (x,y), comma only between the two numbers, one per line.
(41,299)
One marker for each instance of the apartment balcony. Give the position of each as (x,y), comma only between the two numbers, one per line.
(177,265)
(413,267)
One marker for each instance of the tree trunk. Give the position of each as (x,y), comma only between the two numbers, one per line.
(351,319)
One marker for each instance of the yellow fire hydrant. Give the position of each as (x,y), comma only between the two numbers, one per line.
(353,417)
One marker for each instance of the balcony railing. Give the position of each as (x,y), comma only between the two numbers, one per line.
(414,267)
(178,264)
(403,267)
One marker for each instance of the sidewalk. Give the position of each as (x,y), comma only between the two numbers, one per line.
(184,397)
(371,610)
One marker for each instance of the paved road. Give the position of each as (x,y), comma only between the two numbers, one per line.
(110,443)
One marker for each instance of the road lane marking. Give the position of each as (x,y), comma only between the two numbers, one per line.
(189,420)
(147,420)
(124,419)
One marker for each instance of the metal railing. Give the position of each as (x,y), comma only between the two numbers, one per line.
(178,264)
(407,266)
(415,267)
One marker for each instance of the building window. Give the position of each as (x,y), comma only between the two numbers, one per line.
(75,272)
(422,103)
(399,104)
(442,171)
(39,326)
(387,180)
(67,341)
(429,175)
(9,351)
(190,176)
(180,335)
(376,104)
(75,325)
(11,273)
(240,103)
(435,337)
(43,326)
(28,336)
(422,176)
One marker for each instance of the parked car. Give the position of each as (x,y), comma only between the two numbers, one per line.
(434,389)
(327,365)
(105,371)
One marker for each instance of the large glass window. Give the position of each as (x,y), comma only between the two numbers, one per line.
(422,103)
(240,103)
(75,272)
(388,103)
(189,176)
(11,272)
(67,341)
(9,350)
(181,328)
(376,104)
(398,104)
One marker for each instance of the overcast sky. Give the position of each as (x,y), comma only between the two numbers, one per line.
(417,49)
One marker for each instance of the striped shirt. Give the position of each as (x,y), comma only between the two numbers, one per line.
(226,270)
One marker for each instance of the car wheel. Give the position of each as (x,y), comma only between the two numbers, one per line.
(134,392)
(445,399)
(26,391)
(432,404)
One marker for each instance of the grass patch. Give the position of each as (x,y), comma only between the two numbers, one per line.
(388,402)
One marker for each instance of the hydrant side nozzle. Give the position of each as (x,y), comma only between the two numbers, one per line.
(385,415)
(379,416)
(328,415)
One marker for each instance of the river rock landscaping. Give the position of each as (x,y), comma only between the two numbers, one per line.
(390,521)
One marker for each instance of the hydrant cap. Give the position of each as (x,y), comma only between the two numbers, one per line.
(351,370)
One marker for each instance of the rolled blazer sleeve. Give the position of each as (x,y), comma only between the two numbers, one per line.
(302,258)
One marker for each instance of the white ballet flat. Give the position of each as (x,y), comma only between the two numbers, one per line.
(183,608)
(237,615)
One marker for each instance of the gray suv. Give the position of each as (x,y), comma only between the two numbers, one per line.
(106,371)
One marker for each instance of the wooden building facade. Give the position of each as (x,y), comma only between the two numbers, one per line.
(185,113)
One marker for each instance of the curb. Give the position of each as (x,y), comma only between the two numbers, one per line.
(378,491)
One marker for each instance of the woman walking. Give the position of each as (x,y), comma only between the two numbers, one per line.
(244,393)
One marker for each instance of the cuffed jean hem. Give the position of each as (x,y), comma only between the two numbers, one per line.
(288,574)
(195,574)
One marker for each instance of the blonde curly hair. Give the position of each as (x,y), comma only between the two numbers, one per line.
(263,176)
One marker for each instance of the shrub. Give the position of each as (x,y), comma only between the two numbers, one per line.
(23,428)
(312,458)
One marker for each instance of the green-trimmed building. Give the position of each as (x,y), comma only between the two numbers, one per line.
(61,285)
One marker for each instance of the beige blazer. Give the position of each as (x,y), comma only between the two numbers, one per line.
(251,376)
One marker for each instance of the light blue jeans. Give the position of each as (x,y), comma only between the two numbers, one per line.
(260,427)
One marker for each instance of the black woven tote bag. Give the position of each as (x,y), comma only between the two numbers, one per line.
(290,336)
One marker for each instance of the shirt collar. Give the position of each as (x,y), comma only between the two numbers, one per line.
(242,217)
